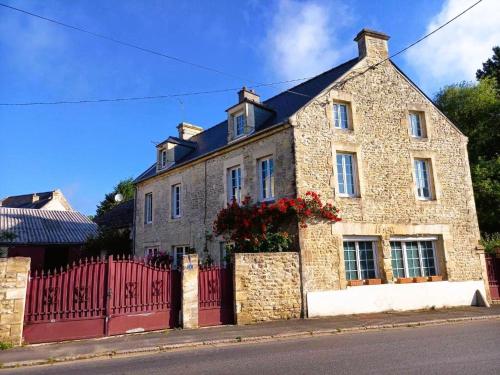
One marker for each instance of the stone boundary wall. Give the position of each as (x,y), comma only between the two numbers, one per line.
(13,284)
(266,287)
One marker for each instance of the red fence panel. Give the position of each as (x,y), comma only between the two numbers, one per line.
(100,297)
(58,301)
(143,297)
(493,269)
(215,295)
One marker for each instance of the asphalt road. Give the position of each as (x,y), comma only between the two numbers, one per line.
(462,348)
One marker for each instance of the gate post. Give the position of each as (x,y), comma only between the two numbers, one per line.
(190,291)
(14,274)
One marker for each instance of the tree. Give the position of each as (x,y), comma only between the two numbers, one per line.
(491,68)
(475,109)
(125,187)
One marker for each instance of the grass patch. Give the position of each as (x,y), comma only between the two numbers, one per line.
(5,345)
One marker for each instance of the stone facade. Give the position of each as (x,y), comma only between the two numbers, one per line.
(266,287)
(386,206)
(305,148)
(13,284)
(204,194)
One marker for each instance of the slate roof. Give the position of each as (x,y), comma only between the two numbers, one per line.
(26,200)
(120,216)
(43,227)
(283,106)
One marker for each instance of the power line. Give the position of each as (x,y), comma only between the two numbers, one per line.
(373,66)
(123,43)
(151,97)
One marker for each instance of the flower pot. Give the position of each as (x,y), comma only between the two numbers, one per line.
(355,282)
(420,279)
(404,280)
(373,281)
(436,278)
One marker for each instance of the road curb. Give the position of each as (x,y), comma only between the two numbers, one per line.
(237,340)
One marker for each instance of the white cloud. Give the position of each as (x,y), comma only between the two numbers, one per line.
(302,39)
(455,52)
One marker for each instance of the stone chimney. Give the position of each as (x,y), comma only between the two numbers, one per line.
(372,44)
(35,198)
(187,130)
(246,94)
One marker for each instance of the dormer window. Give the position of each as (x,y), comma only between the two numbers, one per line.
(163,158)
(239,124)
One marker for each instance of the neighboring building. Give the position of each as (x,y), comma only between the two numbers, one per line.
(366,139)
(119,217)
(50,238)
(50,200)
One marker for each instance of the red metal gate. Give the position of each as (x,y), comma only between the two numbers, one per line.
(101,297)
(493,269)
(215,294)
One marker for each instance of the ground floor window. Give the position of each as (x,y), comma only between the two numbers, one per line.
(179,252)
(414,258)
(151,251)
(360,259)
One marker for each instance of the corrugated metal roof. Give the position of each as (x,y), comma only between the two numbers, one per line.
(284,105)
(46,227)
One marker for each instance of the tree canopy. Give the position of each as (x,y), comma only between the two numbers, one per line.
(475,108)
(125,187)
(491,68)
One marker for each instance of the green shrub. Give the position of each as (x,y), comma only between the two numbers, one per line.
(491,242)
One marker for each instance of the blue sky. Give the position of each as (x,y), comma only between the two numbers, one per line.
(85,149)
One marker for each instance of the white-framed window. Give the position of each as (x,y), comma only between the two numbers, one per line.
(151,251)
(239,124)
(148,208)
(179,251)
(413,258)
(360,259)
(340,116)
(423,179)
(176,201)
(234,184)
(163,158)
(417,128)
(346,174)
(266,179)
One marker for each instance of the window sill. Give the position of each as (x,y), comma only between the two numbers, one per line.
(342,130)
(427,201)
(419,139)
(350,197)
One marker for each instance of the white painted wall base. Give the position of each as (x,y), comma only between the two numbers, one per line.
(395,297)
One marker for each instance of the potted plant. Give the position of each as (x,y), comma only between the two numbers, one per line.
(420,279)
(6,237)
(374,281)
(404,280)
(436,278)
(355,282)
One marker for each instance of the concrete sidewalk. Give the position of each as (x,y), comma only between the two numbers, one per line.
(148,343)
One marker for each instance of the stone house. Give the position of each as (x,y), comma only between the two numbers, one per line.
(49,200)
(365,138)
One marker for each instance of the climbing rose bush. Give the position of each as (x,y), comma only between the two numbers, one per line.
(260,227)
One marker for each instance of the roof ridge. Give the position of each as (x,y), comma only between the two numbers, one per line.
(312,78)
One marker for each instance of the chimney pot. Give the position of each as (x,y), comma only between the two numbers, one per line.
(246,94)
(187,130)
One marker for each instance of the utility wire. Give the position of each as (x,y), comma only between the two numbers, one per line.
(373,66)
(123,43)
